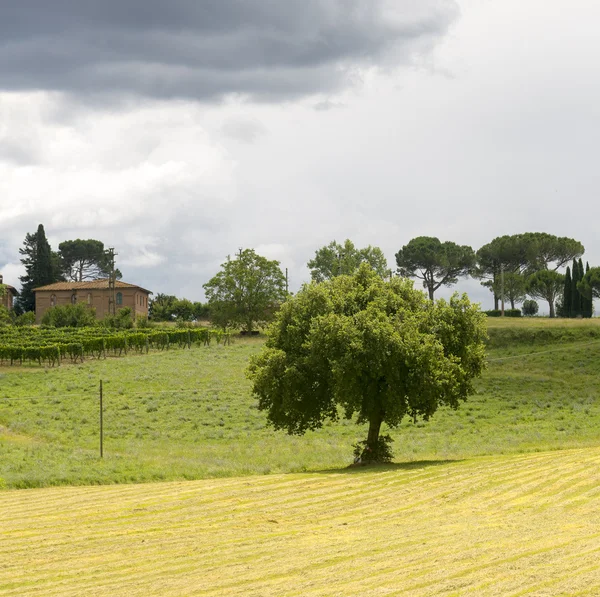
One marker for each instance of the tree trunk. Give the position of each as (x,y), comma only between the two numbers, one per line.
(430,289)
(512,303)
(496,299)
(370,451)
(551,305)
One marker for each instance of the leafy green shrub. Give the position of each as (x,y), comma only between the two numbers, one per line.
(74,316)
(530,308)
(122,320)
(143,323)
(25,319)
(382,452)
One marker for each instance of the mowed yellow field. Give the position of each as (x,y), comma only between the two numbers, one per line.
(503,525)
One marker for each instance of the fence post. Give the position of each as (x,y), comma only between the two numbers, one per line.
(101,424)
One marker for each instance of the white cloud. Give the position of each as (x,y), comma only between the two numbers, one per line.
(505,144)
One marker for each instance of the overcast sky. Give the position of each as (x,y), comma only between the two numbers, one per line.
(180,131)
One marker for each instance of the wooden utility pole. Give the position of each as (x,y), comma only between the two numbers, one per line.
(101,424)
(111,282)
(502,287)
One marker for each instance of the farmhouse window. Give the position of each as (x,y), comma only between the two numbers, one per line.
(89,298)
(73,298)
(119,298)
(53,300)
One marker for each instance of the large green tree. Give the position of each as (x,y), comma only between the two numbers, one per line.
(335,260)
(547,285)
(435,263)
(41,267)
(361,345)
(247,291)
(84,260)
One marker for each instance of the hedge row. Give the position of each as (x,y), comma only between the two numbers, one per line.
(52,349)
(507,313)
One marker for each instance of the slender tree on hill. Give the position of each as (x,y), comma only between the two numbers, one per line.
(575,295)
(41,267)
(587,309)
(567,305)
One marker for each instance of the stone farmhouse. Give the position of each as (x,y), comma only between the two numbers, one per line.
(95,293)
(9,295)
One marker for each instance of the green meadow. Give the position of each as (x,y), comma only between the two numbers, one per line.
(189,414)
(497,498)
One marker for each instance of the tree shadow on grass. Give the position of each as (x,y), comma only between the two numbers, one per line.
(356,469)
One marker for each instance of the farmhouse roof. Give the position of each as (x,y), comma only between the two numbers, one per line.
(11,289)
(88,285)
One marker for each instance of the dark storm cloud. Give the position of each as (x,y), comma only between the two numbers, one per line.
(205,49)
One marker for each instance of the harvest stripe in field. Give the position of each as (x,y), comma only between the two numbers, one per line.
(525,524)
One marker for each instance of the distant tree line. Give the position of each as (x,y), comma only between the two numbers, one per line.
(166,307)
(512,267)
(249,288)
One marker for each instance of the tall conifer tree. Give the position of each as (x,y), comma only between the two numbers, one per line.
(575,300)
(568,294)
(41,267)
(582,307)
(588,302)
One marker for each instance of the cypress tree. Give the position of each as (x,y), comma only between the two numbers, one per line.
(575,300)
(567,294)
(582,306)
(41,267)
(588,302)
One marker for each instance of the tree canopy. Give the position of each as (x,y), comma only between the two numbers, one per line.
(84,260)
(361,345)
(434,262)
(246,292)
(546,251)
(335,260)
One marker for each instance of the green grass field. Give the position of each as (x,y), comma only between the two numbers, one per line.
(497,498)
(189,415)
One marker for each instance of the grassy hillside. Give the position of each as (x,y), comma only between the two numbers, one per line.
(502,525)
(189,415)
